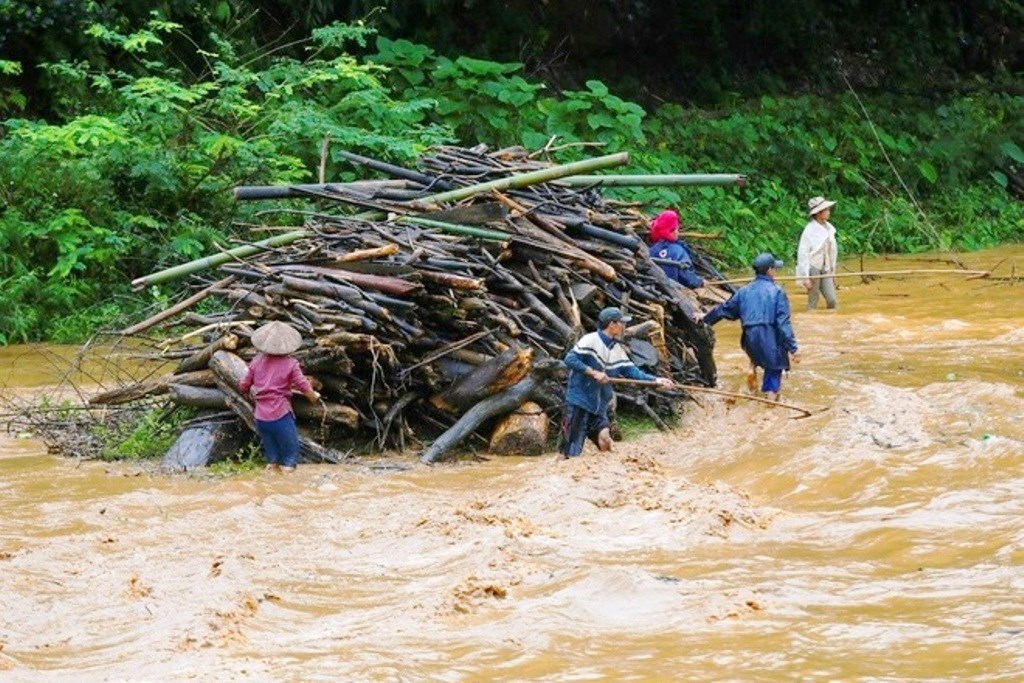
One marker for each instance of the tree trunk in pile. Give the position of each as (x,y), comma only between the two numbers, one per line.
(197,397)
(491,377)
(498,404)
(507,400)
(522,432)
(200,359)
(154,387)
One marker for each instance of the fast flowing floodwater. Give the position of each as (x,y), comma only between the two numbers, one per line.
(879,539)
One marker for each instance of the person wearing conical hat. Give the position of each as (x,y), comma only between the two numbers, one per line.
(818,253)
(670,252)
(272,376)
(762,308)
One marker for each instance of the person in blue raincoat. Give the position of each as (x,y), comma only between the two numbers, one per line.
(593,361)
(671,253)
(762,307)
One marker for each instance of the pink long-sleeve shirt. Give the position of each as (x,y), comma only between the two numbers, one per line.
(272,379)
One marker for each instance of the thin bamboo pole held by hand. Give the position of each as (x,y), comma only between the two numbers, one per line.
(708,390)
(867,273)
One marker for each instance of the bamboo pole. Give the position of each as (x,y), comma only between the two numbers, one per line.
(523,179)
(215,260)
(863,273)
(655,180)
(709,390)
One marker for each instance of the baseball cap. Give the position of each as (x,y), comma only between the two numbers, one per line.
(611,315)
(764,261)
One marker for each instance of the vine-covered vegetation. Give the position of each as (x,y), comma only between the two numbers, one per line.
(119,156)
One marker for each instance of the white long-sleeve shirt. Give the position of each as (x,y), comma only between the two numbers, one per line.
(818,249)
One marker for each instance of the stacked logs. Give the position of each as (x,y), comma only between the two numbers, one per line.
(424,321)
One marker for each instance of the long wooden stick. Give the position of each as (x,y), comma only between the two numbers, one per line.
(655,180)
(865,273)
(709,390)
(178,307)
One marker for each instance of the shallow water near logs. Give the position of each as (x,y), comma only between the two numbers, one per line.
(880,538)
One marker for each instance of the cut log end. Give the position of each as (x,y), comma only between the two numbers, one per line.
(522,432)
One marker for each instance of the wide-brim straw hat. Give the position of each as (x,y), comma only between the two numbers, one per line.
(818,204)
(276,338)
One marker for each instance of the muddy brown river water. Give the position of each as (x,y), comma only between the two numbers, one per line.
(880,539)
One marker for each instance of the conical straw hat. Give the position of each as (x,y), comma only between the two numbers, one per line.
(276,338)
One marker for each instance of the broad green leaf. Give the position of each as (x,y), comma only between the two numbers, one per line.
(485,68)
(1010,149)
(222,12)
(928,172)
(601,120)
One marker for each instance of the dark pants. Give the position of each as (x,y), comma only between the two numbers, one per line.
(772,382)
(280,440)
(577,426)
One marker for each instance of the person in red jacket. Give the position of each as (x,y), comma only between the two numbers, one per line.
(272,376)
(671,253)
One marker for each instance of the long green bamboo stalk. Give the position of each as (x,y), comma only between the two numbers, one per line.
(523,179)
(665,180)
(215,260)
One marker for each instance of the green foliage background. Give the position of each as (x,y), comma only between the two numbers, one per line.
(131,168)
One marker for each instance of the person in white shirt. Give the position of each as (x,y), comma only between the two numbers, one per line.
(817,254)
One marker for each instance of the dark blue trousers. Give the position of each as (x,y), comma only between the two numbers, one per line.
(577,426)
(280,439)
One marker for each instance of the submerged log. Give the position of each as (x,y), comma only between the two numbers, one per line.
(522,432)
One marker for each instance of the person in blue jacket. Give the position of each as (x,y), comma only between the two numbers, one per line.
(763,309)
(593,361)
(671,253)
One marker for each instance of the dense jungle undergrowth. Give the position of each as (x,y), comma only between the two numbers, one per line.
(131,169)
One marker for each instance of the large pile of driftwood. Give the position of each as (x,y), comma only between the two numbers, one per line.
(437,308)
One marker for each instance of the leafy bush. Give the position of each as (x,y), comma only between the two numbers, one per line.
(149,436)
(145,176)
